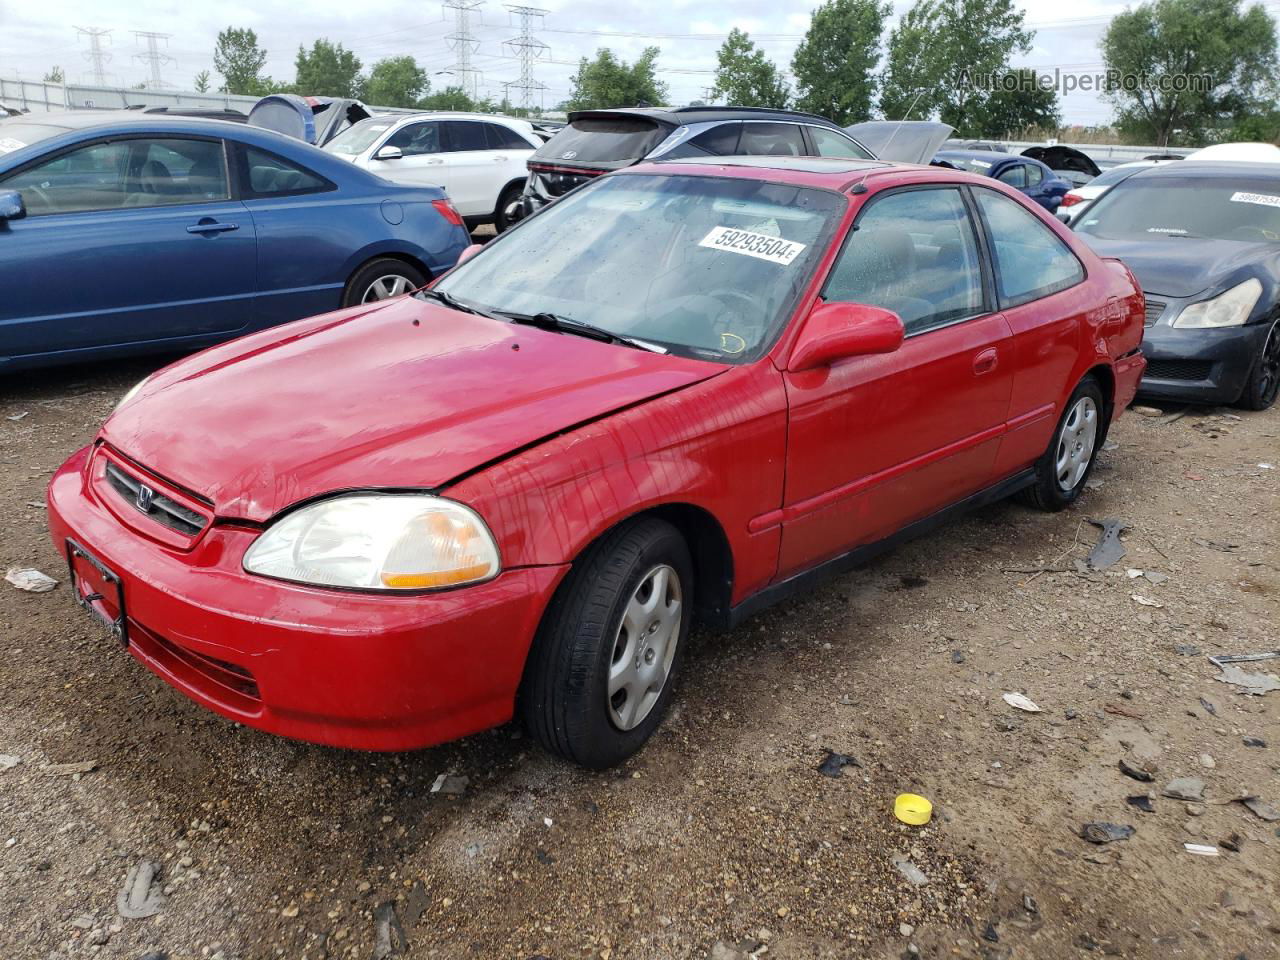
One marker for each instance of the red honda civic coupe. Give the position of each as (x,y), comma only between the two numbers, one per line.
(678,394)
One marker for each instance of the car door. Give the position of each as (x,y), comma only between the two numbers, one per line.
(422,158)
(1038,289)
(126,241)
(877,442)
(477,173)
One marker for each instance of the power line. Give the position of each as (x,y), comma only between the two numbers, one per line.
(153,56)
(528,49)
(97,57)
(463,44)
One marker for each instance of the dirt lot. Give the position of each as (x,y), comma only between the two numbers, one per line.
(722,830)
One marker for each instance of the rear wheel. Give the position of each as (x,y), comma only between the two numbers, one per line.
(600,673)
(380,279)
(1064,467)
(1263,385)
(501,219)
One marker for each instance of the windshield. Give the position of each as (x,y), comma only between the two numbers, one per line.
(15,136)
(1235,208)
(971,164)
(702,266)
(602,140)
(358,137)
(1108,178)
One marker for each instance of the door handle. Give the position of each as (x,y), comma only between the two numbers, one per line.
(985,361)
(434,160)
(499,159)
(212,226)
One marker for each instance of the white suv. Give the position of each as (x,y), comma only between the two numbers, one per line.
(478,158)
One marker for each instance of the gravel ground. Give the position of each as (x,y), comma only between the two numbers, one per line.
(720,839)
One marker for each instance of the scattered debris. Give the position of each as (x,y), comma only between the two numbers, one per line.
(833,763)
(389,939)
(8,760)
(957,656)
(1108,550)
(1185,788)
(1200,849)
(913,809)
(1261,809)
(1119,711)
(1222,658)
(1142,801)
(1218,545)
(1144,411)
(1254,684)
(141,896)
(1143,773)
(1186,650)
(1209,708)
(1101,832)
(30,580)
(449,785)
(915,876)
(71,769)
(1146,601)
(1248,742)
(1020,702)
(1232,843)
(990,934)
(21,416)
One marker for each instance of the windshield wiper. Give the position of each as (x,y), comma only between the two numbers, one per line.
(559,324)
(449,300)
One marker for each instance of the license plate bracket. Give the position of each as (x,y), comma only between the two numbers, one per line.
(97,589)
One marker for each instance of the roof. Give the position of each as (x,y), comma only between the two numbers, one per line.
(1212,170)
(823,165)
(680,116)
(986,156)
(85,119)
(399,118)
(831,173)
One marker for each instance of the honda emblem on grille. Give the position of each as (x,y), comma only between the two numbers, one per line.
(145,496)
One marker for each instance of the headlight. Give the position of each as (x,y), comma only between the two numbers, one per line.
(378,542)
(1229,309)
(133,392)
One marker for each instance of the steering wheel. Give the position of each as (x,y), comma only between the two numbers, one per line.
(45,200)
(752,309)
(1260,231)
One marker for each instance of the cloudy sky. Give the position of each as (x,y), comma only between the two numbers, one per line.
(37,36)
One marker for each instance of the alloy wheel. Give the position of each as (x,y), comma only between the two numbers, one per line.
(1269,367)
(1076,441)
(391,285)
(645,647)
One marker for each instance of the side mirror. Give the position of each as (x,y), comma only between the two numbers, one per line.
(838,330)
(12,206)
(389,153)
(470,252)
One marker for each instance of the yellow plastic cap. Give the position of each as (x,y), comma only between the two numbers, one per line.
(913,809)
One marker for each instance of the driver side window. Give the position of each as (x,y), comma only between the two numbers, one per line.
(416,139)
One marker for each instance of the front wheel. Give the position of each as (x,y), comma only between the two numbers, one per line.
(1064,467)
(381,279)
(601,670)
(505,216)
(1263,385)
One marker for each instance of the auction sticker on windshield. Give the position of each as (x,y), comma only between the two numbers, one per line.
(759,245)
(1265,199)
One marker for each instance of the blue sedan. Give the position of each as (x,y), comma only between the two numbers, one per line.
(127,233)
(1032,177)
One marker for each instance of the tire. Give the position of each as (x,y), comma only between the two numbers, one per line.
(574,698)
(509,196)
(1064,468)
(1263,385)
(391,278)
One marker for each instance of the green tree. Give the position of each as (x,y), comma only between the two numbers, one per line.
(745,77)
(450,98)
(835,62)
(327,70)
(1232,50)
(944,56)
(55,75)
(396,82)
(607,81)
(201,82)
(240,60)
(1025,102)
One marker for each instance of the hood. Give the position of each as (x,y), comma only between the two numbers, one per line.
(1182,268)
(367,399)
(901,141)
(1059,157)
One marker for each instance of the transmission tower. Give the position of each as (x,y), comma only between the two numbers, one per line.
(96,56)
(463,44)
(153,57)
(528,48)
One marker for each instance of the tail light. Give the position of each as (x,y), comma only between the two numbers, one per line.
(1071,199)
(447,210)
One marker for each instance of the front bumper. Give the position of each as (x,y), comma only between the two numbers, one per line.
(1199,366)
(347,669)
